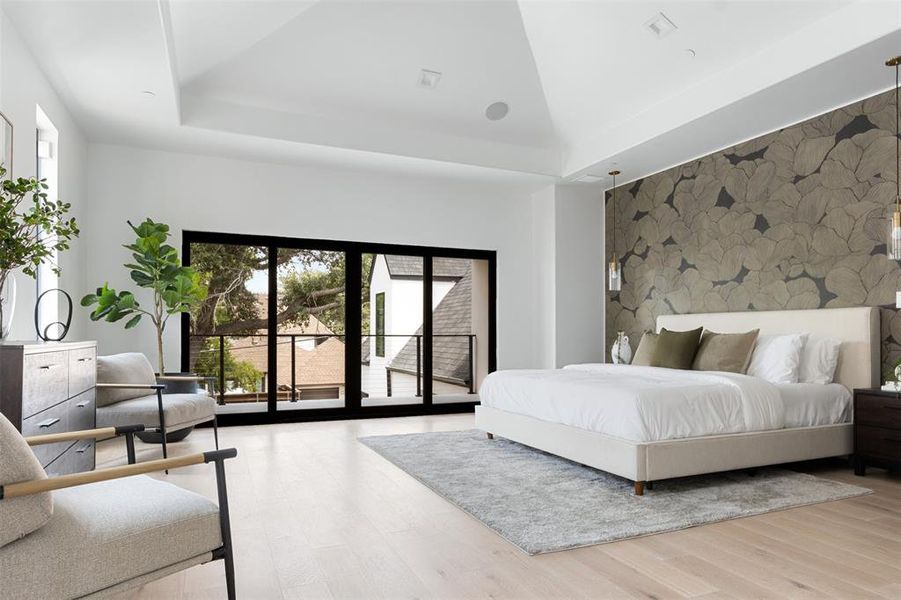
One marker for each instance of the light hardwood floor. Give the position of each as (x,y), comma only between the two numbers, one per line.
(315,514)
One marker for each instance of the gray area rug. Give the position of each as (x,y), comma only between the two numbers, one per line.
(543,503)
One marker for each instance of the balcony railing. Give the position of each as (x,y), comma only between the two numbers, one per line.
(296,389)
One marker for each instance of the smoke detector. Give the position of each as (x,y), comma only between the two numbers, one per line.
(660,26)
(428,79)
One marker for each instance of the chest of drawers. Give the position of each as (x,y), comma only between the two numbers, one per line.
(877,429)
(49,388)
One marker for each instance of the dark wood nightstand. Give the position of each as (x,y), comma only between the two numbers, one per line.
(877,429)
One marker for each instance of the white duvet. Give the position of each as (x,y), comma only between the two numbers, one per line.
(638,403)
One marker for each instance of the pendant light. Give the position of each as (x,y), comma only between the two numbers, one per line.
(895,242)
(614,272)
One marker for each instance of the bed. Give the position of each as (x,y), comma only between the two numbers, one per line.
(702,433)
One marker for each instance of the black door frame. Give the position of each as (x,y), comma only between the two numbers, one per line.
(352,322)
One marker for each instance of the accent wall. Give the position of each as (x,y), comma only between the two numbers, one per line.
(794,219)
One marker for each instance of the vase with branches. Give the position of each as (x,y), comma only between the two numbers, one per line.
(175,288)
(33,230)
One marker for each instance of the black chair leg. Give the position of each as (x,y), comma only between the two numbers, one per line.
(225,525)
(130,447)
(216,431)
(159,395)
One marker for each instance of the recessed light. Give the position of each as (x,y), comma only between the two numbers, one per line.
(589,178)
(660,25)
(497,111)
(428,79)
(148,93)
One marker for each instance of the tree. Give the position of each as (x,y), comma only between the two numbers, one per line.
(240,373)
(312,283)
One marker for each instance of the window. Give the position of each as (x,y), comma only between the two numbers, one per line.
(380,324)
(337,329)
(46,168)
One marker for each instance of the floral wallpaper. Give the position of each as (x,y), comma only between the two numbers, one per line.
(795,219)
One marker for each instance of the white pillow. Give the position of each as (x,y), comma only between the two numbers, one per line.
(819,357)
(777,358)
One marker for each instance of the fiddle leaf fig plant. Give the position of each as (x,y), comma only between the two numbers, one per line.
(176,289)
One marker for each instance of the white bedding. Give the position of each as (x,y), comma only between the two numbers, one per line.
(814,404)
(638,403)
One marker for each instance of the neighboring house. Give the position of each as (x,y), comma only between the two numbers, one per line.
(318,359)
(395,295)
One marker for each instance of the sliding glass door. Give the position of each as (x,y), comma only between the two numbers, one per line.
(320,329)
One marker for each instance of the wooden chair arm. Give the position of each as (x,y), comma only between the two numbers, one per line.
(132,386)
(38,486)
(68,436)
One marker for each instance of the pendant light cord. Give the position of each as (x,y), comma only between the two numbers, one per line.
(897,142)
(614,216)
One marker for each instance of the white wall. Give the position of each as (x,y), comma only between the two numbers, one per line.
(568,242)
(544,282)
(22,87)
(579,278)
(217,194)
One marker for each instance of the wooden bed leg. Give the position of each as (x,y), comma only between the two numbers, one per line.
(490,435)
(649,485)
(639,488)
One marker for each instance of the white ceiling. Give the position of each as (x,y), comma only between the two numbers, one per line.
(335,80)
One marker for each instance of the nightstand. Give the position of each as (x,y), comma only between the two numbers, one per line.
(877,429)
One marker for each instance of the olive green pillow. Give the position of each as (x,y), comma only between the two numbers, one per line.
(729,352)
(645,350)
(676,349)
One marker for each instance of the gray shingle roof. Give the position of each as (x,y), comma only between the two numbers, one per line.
(450,355)
(411,266)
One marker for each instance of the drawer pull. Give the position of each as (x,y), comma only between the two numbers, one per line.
(48,423)
(83,403)
(85,359)
(83,449)
(48,367)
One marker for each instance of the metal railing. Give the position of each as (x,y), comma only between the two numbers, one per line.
(317,339)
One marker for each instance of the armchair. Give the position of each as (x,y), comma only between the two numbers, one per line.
(110,530)
(128,391)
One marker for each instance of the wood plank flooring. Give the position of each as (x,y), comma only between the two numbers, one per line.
(315,514)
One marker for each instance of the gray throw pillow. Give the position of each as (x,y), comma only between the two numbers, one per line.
(129,367)
(676,349)
(729,352)
(645,351)
(20,516)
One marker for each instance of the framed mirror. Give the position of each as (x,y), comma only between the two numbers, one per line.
(6,145)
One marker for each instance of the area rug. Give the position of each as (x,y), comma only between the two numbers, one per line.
(544,503)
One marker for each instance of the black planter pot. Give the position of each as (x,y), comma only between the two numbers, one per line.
(172,387)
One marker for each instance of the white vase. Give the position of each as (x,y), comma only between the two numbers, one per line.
(7,303)
(621,353)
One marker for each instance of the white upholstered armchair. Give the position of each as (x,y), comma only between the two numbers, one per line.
(128,391)
(100,533)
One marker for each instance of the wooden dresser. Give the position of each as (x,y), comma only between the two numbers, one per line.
(49,388)
(877,429)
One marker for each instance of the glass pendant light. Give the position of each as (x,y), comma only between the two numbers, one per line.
(614,272)
(895,241)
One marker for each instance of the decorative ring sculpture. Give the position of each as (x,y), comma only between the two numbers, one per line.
(64,327)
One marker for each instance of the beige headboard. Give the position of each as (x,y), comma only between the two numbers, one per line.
(858,328)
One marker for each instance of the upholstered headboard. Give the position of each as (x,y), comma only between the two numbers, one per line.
(857,328)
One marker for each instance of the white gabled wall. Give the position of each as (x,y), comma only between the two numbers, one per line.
(23,86)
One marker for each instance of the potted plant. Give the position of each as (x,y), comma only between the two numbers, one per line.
(28,236)
(176,289)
